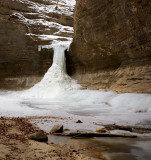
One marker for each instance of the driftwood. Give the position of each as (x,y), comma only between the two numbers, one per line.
(93,134)
(125,128)
(113,127)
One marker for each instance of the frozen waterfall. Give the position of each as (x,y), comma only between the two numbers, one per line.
(55,81)
(59,57)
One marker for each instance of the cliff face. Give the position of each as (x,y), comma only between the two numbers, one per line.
(27,28)
(111,48)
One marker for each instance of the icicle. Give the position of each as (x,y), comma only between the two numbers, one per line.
(59,57)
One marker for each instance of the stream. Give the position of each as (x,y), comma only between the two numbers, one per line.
(112,148)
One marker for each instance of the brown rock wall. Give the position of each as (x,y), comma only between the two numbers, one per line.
(112,45)
(18,53)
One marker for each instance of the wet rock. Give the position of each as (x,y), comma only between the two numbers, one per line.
(38,136)
(100,130)
(79,121)
(57,129)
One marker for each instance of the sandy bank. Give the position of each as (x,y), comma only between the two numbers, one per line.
(14,143)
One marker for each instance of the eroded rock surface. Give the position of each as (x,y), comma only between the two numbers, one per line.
(112,45)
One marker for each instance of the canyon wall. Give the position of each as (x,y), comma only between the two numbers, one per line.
(27,29)
(111,48)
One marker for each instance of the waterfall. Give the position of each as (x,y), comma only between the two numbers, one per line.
(59,57)
(56,81)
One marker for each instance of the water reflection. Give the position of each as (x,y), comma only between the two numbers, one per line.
(112,148)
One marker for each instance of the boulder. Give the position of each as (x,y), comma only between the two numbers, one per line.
(57,129)
(38,136)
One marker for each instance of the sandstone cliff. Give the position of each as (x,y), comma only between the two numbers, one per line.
(27,28)
(112,45)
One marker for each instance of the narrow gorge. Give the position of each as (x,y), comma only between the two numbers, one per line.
(111,46)
(75,68)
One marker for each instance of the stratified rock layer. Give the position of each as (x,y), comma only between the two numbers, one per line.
(27,28)
(112,45)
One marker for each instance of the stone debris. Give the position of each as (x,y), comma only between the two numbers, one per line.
(38,136)
(57,129)
(79,121)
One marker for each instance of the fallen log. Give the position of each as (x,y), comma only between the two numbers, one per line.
(93,134)
(125,128)
(113,127)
